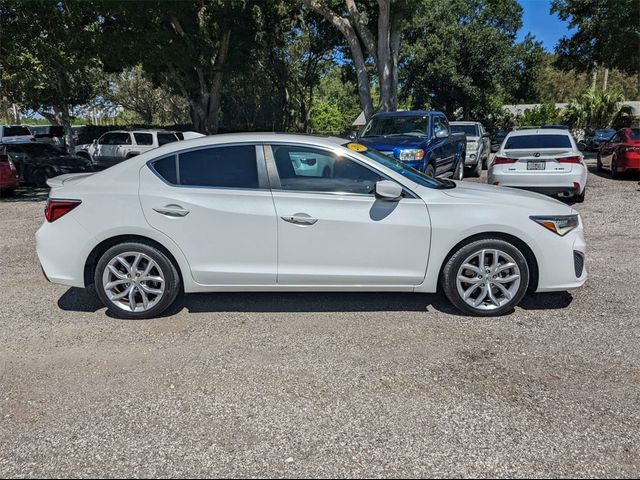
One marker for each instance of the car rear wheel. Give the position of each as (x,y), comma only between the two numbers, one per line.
(40,176)
(614,168)
(135,281)
(458,174)
(486,277)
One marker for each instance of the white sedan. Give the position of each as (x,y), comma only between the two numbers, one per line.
(542,160)
(240,213)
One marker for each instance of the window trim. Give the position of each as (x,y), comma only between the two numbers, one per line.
(274,178)
(263,181)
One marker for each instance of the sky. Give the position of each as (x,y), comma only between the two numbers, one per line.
(538,20)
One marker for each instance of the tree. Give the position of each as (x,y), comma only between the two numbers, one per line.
(357,24)
(461,56)
(48,59)
(545,114)
(597,109)
(607,34)
(185,47)
(135,93)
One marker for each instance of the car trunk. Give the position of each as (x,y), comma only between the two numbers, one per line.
(547,160)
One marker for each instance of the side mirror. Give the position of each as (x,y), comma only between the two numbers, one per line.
(95,141)
(486,135)
(442,133)
(388,190)
(353,135)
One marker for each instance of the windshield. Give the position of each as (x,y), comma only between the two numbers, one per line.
(384,126)
(635,134)
(406,171)
(538,141)
(605,133)
(468,130)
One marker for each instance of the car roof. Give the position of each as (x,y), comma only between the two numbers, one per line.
(408,113)
(464,122)
(539,131)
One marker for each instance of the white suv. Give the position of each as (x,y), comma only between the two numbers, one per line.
(118,145)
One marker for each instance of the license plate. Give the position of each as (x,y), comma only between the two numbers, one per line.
(536,165)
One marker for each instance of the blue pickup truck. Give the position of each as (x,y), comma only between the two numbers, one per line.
(421,139)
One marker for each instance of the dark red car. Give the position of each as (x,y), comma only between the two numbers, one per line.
(621,153)
(8,177)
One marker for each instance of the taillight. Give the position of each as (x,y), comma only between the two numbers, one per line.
(503,160)
(575,159)
(59,208)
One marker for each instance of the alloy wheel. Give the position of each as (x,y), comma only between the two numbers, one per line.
(133,282)
(488,279)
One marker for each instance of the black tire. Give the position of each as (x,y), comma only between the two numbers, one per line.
(450,273)
(172,284)
(614,169)
(599,164)
(430,171)
(40,176)
(579,197)
(458,173)
(7,192)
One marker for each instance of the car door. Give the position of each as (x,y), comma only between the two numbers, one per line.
(106,148)
(443,147)
(215,204)
(334,232)
(123,147)
(607,149)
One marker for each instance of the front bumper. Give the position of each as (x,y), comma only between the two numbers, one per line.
(563,267)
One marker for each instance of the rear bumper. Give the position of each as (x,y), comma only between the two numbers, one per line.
(547,182)
(629,161)
(61,247)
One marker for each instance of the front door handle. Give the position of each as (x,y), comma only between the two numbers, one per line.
(172,210)
(299,219)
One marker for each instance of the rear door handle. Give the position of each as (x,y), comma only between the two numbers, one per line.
(172,211)
(299,219)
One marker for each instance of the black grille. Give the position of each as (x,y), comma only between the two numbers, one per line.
(578,263)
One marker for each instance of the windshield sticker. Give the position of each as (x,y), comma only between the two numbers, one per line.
(356,147)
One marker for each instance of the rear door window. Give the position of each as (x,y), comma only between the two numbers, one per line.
(538,142)
(221,167)
(143,138)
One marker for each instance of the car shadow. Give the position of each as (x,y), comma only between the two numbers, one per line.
(27,194)
(85,300)
(606,173)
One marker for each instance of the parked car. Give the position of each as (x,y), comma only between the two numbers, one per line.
(546,161)
(37,162)
(118,145)
(478,144)
(233,213)
(8,174)
(599,137)
(421,139)
(15,133)
(497,140)
(621,153)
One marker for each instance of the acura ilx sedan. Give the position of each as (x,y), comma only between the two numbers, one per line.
(249,212)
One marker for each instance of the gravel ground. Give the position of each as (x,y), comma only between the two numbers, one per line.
(347,385)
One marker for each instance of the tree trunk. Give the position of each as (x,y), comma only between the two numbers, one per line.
(385,73)
(605,81)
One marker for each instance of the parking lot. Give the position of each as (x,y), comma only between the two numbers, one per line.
(317,384)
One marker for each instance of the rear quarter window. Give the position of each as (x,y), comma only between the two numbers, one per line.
(537,141)
(635,134)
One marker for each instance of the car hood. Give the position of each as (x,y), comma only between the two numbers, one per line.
(536,203)
(389,143)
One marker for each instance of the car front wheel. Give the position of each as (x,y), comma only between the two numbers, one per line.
(487,277)
(135,281)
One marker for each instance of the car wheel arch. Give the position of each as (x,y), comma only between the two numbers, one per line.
(106,244)
(528,254)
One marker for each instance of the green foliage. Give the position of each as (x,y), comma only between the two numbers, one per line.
(607,34)
(461,54)
(545,114)
(336,105)
(597,109)
(48,59)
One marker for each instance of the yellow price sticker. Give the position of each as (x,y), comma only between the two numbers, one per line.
(357,147)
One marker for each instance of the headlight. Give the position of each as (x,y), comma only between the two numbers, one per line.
(472,146)
(409,154)
(561,224)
